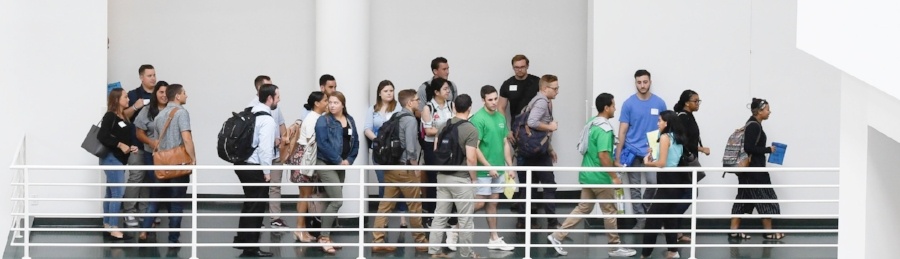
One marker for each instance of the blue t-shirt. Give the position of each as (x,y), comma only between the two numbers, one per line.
(641,116)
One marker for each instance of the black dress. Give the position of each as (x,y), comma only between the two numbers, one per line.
(755,146)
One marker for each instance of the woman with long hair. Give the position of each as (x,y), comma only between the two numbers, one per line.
(316,104)
(385,107)
(755,146)
(146,133)
(115,134)
(671,141)
(338,144)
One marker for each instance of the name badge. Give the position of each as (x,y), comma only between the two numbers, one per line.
(654,111)
(122,124)
(513,88)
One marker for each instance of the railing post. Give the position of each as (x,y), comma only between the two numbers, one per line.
(26,218)
(694,214)
(362,211)
(527,203)
(194,193)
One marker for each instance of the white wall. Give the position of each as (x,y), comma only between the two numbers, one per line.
(479,39)
(728,52)
(8,102)
(56,51)
(857,37)
(881,225)
(216,50)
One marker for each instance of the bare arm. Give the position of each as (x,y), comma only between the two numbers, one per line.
(189,145)
(369,134)
(142,137)
(623,128)
(501,105)
(470,161)
(663,153)
(605,161)
(428,119)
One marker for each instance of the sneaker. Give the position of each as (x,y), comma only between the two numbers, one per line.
(278,223)
(623,252)
(556,245)
(131,222)
(499,245)
(452,239)
(677,255)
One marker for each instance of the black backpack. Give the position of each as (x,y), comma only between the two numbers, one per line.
(386,147)
(448,151)
(235,143)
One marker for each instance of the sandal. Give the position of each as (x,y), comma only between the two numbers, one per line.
(776,236)
(326,248)
(738,236)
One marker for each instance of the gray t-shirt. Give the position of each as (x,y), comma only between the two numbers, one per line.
(180,122)
(144,123)
(468,136)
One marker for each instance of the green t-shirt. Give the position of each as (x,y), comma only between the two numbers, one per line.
(492,132)
(599,140)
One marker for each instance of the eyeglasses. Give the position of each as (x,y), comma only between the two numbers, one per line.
(696,101)
(554,88)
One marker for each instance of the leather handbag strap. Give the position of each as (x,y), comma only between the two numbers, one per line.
(166,127)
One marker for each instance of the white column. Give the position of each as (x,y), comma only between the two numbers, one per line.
(342,50)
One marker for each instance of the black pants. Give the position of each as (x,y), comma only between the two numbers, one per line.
(540,177)
(251,192)
(668,223)
(431,192)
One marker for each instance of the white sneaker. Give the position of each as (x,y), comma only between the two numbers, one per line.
(452,239)
(499,245)
(131,222)
(623,252)
(556,243)
(677,255)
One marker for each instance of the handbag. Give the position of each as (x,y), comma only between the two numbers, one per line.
(92,144)
(174,156)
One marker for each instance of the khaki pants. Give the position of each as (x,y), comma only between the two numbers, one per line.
(275,176)
(403,176)
(444,207)
(587,207)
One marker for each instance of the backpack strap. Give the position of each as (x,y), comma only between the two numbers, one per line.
(166,127)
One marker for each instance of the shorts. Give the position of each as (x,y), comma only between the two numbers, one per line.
(488,190)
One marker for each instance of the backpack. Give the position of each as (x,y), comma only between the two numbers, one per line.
(386,147)
(735,156)
(235,143)
(529,142)
(448,151)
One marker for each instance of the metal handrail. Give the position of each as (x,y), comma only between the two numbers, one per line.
(24,199)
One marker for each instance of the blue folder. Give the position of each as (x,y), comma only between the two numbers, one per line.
(777,157)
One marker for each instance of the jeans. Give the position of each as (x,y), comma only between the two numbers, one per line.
(166,192)
(116,192)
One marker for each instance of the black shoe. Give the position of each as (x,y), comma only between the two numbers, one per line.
(255,253)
